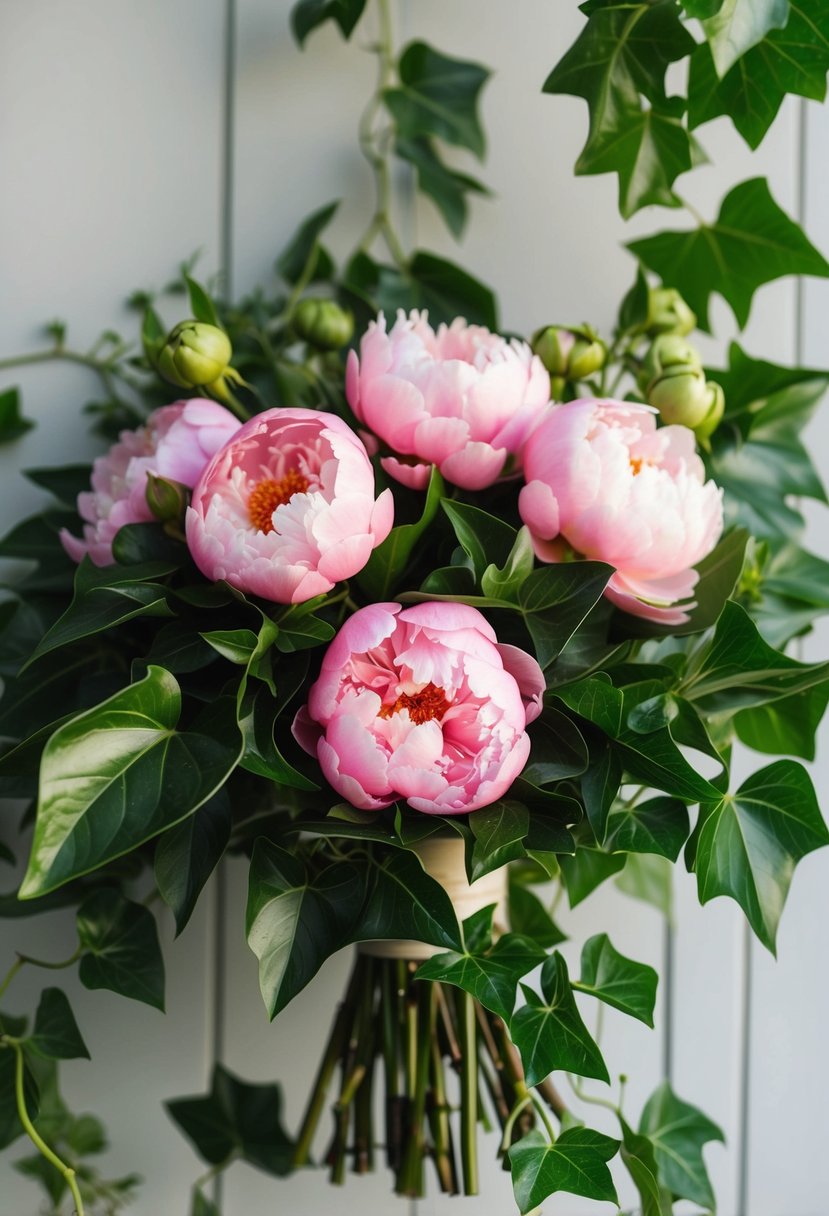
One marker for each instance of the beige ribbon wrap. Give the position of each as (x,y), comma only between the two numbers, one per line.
(443,860)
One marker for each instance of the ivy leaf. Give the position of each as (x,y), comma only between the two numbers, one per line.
(187,854)
(403,901)
(639,1158)
(587,870)
(294,921)
(616,980)
(120,773)
(485,538)
(624,51)
(201,305)
(738,25)
(678,1132)
(556,600)
(202,1206)
(648,878)
(576,1163)
(121,950)
(529,917)
(10,1126)
(659,826)
(491,977)
(794,59)
(548,1030)
(306,15)
(498,832)
(236,1119)
(65,482)
(387,564)
(505,582)
(304,244)
(428,282)
(12,422)
(56,1032)
(445,187)
(438,96)
(752,242)
(750,842)
(787,727)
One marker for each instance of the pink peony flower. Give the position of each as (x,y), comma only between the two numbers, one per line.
(176,442)
(463,398)
(421,704)
(603,479)
(287,508)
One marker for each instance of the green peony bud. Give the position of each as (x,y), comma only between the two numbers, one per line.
(668,313)
(323,323)
(195,354)
(569,353)
(667,353)
(168,500)
(705,429)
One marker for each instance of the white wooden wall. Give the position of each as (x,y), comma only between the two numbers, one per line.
(133,133)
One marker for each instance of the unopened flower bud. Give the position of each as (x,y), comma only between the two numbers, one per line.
(667,353)
(194,354)
(705,429)
(668,313)
(569,353)
(323,323)
(168,500)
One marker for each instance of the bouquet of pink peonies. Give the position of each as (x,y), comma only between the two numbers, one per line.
(433,627)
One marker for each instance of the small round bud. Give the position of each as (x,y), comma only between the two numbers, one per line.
(569,353)
(668,313)
(194,354)
(667,353)
(705,429)
(168,500)
(323,323)
(683,397)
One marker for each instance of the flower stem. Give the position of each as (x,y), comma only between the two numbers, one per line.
(22,959)
(31,1131)
(469,1092)
(107,369)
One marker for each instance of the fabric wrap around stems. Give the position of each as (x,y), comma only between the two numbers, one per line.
(442,858)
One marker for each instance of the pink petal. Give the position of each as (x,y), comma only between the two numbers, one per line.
(415,476)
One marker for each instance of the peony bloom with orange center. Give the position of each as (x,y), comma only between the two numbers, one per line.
(604,481)
(422,704)
(287,508)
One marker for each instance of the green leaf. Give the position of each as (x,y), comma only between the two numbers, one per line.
(623,52)
(548,1030)
(120,773)
(257,721)
(121,950)
(787,727)
(446,187)
(201,305)
(556,600)
(484,538)
(648,878)
(738,25)
(202,1206)
(794,59)
(438,96)
(739,670)
(38,539)
(557,749)
(304,245)
(306,15)
(576,1163)
(387,565)
(294,921)
(236,1119)
(633,310)
(403,901)
(65,482)
(587,870)
(12,422)
(187,854)
(596,699)
(678,1132)
(498,833)
(529,917)
(638,1156)
(10,1126)
(659,826)
(751,841)
(447,292)
(505,582)
(56,1032)
(491,977)
(752,242)
(616,980)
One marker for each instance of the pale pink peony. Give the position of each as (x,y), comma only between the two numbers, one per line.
(463,398)
(602,479)
(287,508)
(176,442)
(421,704)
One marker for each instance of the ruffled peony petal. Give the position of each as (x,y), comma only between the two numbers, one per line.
(415,476)
(475,467)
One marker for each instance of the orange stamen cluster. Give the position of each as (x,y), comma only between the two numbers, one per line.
(636,463)
(269,494)
(430,702)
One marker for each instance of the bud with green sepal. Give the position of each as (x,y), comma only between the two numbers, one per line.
(195,355)
(668,354)
(673,381)
(323,324)
(569,353)
(668,313)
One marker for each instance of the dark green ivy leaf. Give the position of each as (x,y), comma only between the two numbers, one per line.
(445,187)
(438,96)
(616,980)
(752,242)
(738,25)
(638,1156)
(576,1163)
(121,950)
(387,564)
(305,242)
(548,1030)
(12,422)
(677,1131)
(236,1119)
(10,1126)
(187,854)
(56,1032)
(750,842)
(660,826)
(306,15)
(498,833)
(491,976)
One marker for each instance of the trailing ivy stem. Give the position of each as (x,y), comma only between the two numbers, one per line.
(106,369)
(469,1092)
(33,1134)
(214,1171)
(374,144)
(542,1114)
(591,1099)
(11,973)
(521,1104)
(22,959)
